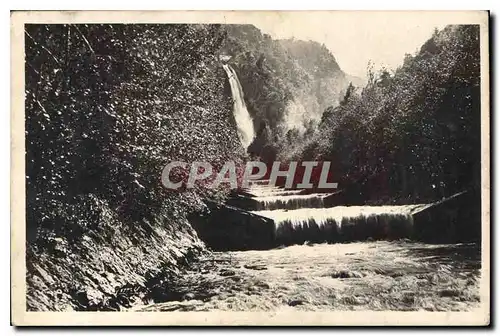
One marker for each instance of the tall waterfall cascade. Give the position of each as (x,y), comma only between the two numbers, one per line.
(244,122)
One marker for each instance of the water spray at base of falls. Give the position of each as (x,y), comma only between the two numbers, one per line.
(244,122)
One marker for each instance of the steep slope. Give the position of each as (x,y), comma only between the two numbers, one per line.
(107,106)
(412,135)
(287,84)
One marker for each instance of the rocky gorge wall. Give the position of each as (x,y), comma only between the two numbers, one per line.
(111,268)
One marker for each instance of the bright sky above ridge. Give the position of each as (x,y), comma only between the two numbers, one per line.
(355,38)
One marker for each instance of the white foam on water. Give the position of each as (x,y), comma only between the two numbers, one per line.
(322,215)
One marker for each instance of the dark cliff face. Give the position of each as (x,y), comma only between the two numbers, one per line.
(287,84)
(107,106)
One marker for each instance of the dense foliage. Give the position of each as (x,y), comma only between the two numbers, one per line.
(412,134)
(107,106)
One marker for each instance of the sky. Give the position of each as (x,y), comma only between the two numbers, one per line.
(355,38)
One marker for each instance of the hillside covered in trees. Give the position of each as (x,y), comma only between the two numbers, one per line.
(107,106)
(412,134)
(287,85)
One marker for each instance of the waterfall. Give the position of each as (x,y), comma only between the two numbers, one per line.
(244,122)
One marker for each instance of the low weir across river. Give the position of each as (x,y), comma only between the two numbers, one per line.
(264,217)
(301,218)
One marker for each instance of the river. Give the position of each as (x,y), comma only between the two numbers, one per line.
(365,275)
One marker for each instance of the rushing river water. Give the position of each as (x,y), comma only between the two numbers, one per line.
(342,258)
(379,275)
(398,275)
